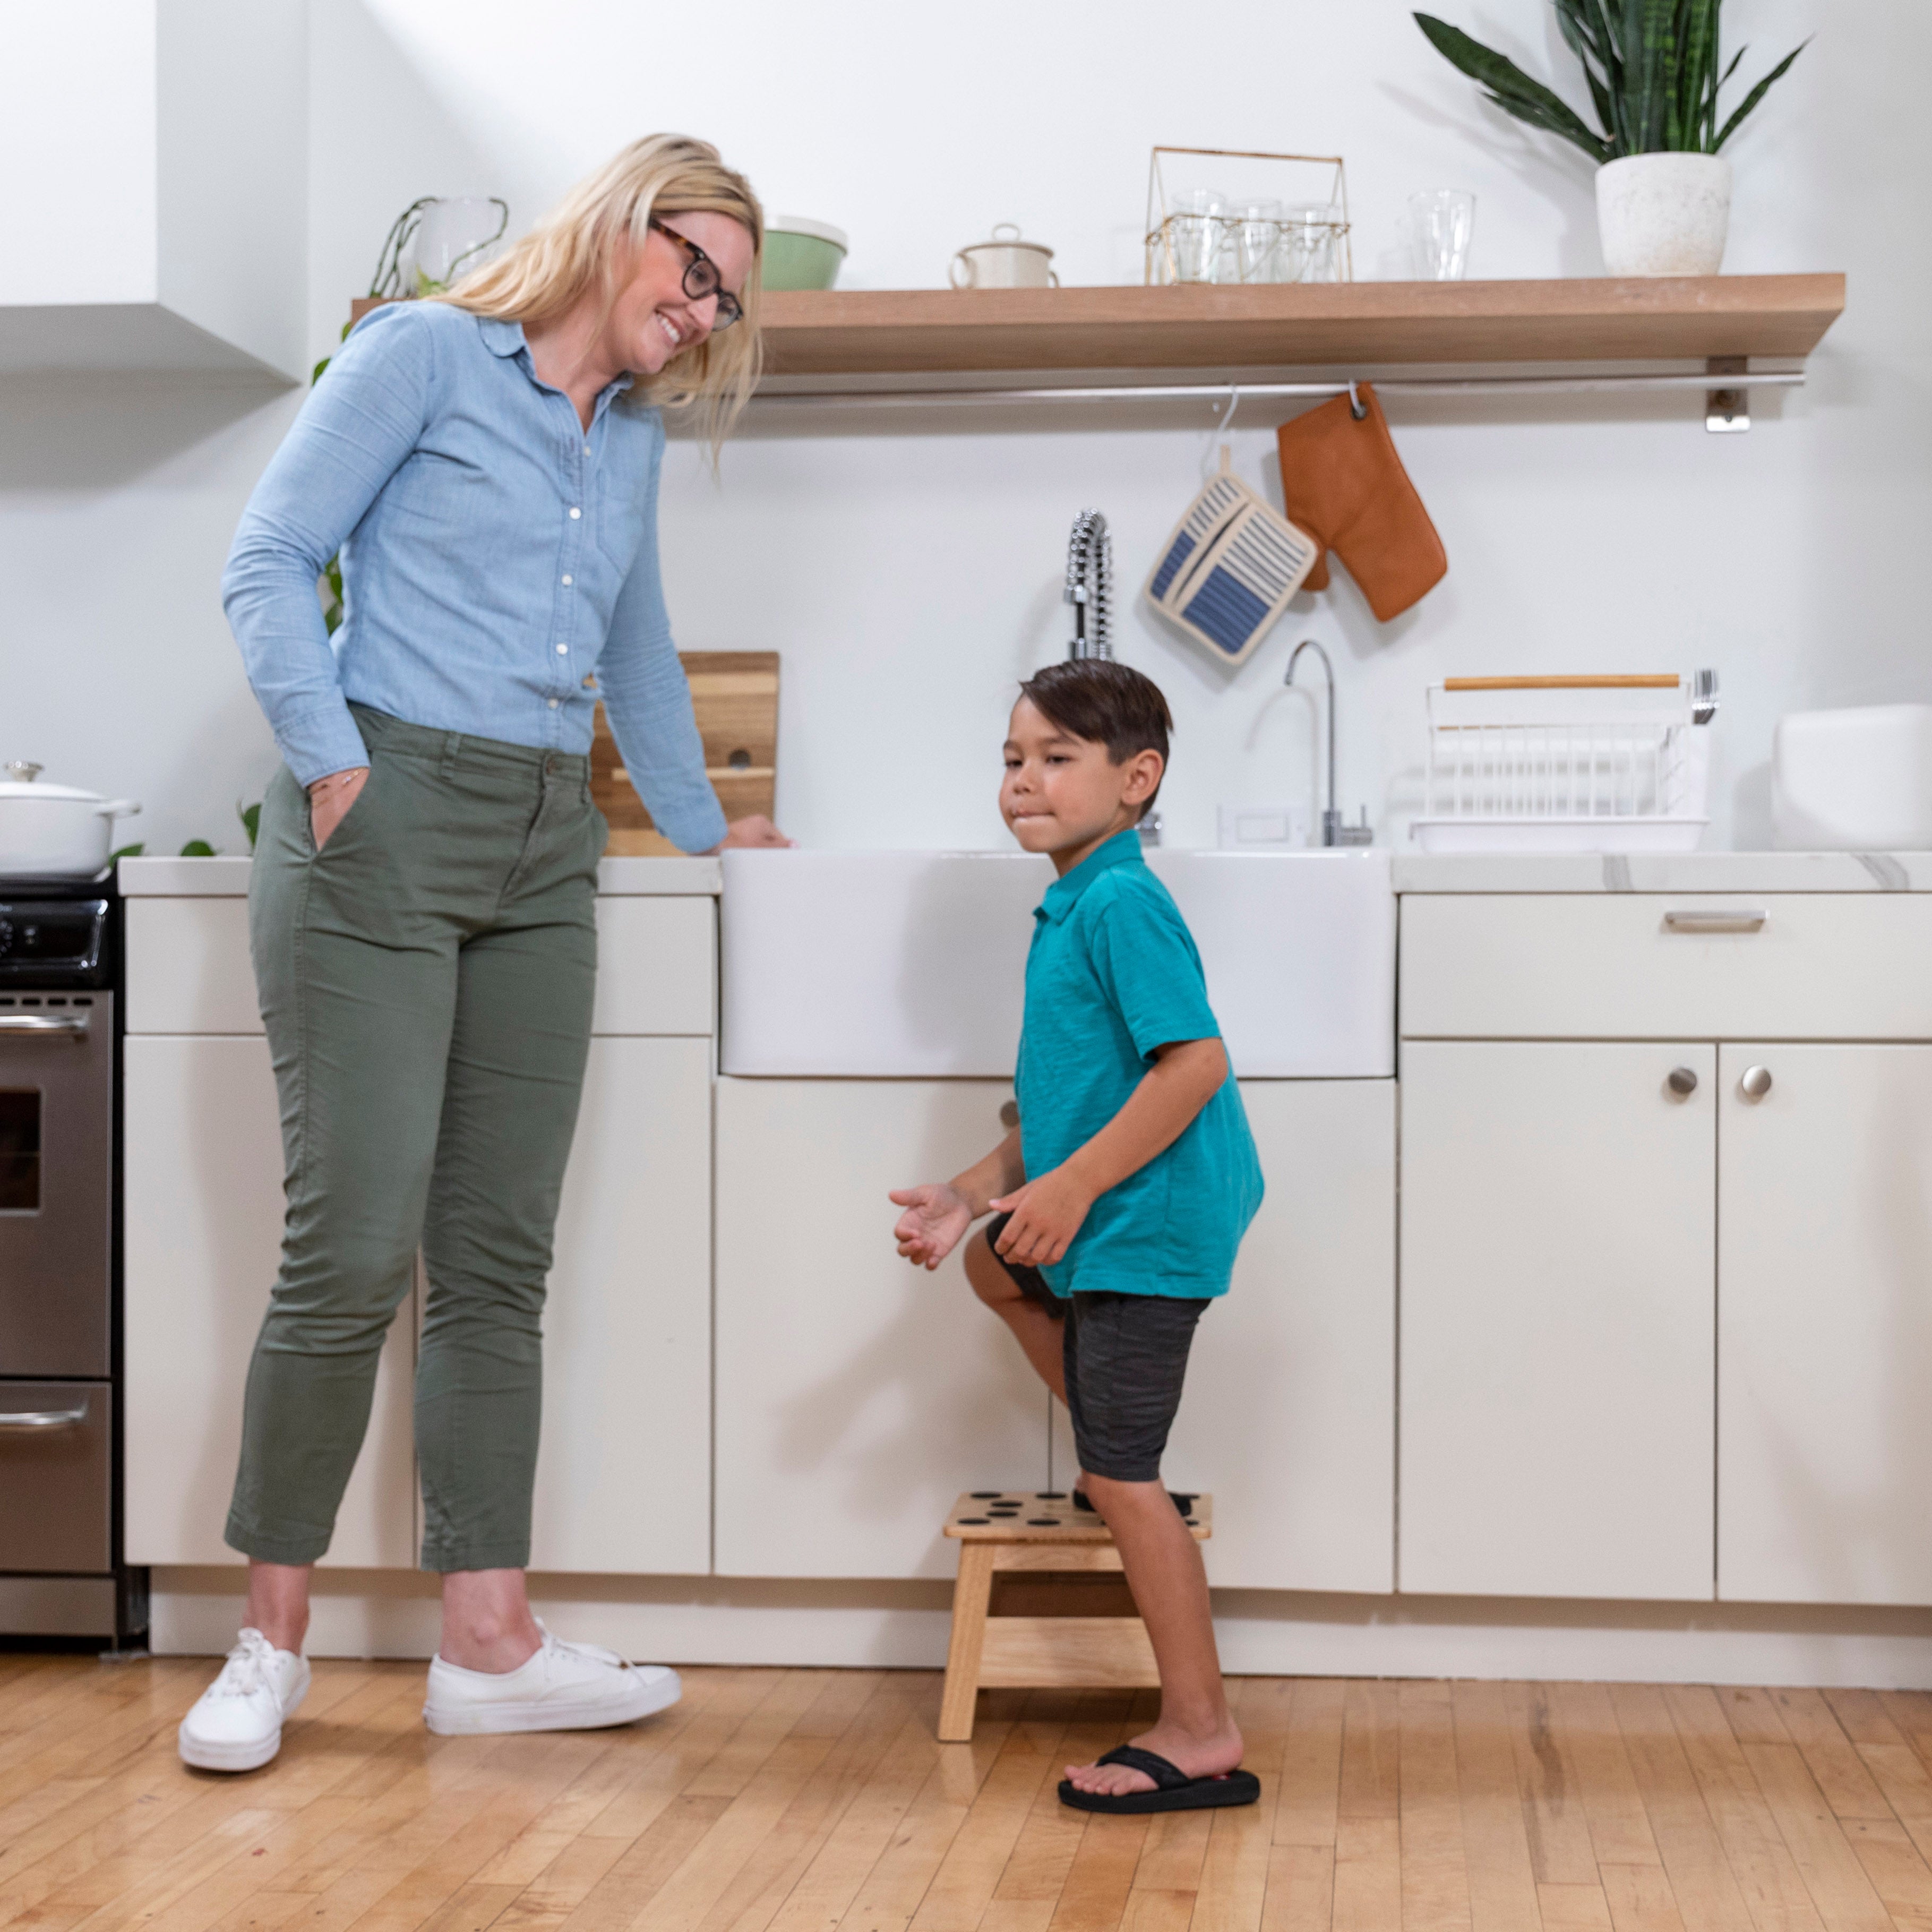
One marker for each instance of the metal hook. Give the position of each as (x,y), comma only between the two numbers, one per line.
(1220,430)
(1357,408)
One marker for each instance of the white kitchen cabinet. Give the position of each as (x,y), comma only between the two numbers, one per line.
(172,139)
(856,1396)
(1558,1239)
(203,1182)
(1288,1418)
(624,1473)
(1825,1325)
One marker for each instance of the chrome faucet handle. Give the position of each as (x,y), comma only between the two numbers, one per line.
(1703,696)
(1361,834)
(24,771)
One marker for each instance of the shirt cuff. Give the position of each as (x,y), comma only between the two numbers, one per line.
(693,825)
(322,740)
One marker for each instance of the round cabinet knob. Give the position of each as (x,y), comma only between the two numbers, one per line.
(1755,1083)
(1009,1113)
(1682,1081)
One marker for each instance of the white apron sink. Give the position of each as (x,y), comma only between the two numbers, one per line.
(911,965)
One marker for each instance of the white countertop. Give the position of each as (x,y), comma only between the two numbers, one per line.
(1665,872)
(228,878)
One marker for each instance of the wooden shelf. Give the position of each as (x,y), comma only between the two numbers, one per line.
(1357,325)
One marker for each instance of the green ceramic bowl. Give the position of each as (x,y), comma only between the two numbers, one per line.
(801,254)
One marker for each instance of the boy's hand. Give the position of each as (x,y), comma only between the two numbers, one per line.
(1047,1214)
(936,1216)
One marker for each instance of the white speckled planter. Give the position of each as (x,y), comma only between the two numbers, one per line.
(1663,214)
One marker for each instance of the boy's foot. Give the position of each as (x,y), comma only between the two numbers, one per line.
(563,1686)
(236,1724)
(1197,1757)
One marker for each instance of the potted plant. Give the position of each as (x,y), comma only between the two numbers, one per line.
(1663,188)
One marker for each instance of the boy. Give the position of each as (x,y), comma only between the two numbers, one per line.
(1122,1194)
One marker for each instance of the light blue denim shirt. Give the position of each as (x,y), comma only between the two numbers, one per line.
(496,557)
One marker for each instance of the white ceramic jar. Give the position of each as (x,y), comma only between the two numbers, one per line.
(1663,214)
(1004,263)
(48,831)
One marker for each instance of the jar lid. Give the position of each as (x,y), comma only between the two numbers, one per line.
(1006,235)
(32,788)
(818,231)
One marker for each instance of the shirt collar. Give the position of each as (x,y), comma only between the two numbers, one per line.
(1123,849)
(507,339)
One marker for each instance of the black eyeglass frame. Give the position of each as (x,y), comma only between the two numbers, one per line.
(701,279)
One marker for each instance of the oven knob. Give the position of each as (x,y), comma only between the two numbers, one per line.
(6,937)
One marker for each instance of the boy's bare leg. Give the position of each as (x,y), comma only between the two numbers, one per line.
(1195,1732)
(1034,1328)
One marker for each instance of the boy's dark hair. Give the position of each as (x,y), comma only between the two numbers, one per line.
(1106,704)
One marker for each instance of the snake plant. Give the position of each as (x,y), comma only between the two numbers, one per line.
(1652,66)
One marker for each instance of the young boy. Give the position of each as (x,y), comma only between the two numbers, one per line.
(1121,1196)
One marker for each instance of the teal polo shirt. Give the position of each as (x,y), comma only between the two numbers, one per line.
(1113,974)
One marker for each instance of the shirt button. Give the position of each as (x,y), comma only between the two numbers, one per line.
(566,580)
(563,650)
(574,512)
(553,704)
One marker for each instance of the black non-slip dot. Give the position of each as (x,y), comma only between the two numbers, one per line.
(1193,1522)
(1050,1496)
(1042,1522)
(985,1496)
(973,1522)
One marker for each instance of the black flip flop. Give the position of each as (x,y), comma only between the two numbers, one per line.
(1181,1502)
(1173,1790)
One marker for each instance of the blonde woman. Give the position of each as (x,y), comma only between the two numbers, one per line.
(422,898)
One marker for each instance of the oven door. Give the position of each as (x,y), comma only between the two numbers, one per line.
(56,1182)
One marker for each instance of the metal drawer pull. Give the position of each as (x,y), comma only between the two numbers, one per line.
(23,1420)
(1756,1084)
(67,1026)
(1743,920)
(1682,1081)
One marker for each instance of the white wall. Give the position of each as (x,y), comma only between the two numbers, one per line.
(909,579)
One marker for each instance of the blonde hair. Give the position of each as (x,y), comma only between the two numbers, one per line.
(578,246)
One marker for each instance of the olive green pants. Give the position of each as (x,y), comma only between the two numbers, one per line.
(426,980)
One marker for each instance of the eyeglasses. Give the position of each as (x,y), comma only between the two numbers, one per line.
(701,279)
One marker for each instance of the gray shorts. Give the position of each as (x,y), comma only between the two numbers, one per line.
(1125,1358)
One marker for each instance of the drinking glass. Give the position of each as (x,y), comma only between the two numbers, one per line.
(1258,240)
(1308,244)
(1194,235)
(1440,223)
(453,236)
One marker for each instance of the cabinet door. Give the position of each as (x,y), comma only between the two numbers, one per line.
(203,1208)
(1288,1418)
(624,1471)
(1824,1326)
(856,1396)
(1558,1267)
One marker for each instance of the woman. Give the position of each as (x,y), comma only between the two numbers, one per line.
(421,907)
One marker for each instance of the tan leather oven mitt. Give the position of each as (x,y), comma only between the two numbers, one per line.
(1342,482)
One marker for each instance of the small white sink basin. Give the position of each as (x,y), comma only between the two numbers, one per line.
(906,964)
(1858,780)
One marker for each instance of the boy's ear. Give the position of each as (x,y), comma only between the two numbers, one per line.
(1142,778)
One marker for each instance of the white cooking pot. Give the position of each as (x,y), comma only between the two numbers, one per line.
(49,830)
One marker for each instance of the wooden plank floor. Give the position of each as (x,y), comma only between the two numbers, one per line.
(817,1800)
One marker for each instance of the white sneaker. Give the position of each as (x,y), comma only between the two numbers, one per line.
(561,1687)
(564,1686)
(236,1722)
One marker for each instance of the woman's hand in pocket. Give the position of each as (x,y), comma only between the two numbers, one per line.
(329,800)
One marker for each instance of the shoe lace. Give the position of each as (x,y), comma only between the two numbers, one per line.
(586,1653)
(248,1668)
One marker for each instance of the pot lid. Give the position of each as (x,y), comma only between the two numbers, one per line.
(1006,235)
(819,231)
(21,780)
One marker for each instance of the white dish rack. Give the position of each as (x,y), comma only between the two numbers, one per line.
(1567,764)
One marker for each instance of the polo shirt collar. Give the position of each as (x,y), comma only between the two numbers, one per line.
(1123,849)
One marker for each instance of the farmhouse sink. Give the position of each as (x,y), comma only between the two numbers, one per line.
(904,964)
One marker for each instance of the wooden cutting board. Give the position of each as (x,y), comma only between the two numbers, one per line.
(736,696)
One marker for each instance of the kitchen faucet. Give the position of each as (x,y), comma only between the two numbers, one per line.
(1333,832)
(1090,585)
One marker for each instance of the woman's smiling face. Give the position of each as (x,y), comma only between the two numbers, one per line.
(652,319)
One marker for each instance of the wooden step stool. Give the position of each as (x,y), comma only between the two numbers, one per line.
(1000,1531)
